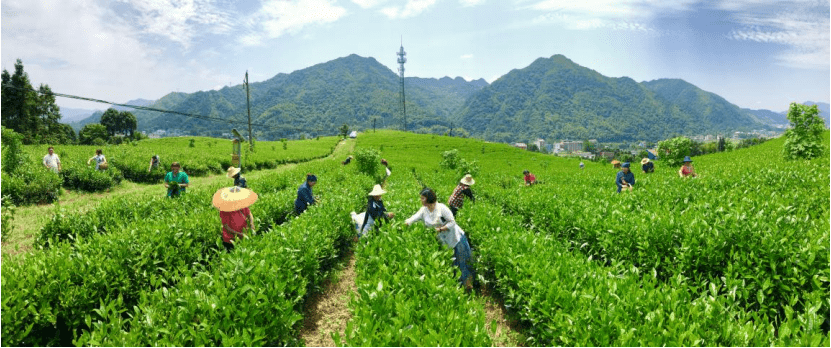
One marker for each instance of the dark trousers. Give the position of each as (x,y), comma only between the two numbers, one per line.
(453,210)
(228,246)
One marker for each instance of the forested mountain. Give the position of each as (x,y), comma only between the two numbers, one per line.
(769,117)
(317,100)
(554,98)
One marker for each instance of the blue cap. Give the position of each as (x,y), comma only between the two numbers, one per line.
(625,165)
(310,178)
(687,159)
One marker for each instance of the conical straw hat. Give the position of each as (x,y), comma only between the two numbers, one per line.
(468,180)
(377,191)
(233,198)
(232,171)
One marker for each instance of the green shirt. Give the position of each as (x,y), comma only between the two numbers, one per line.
(182,178)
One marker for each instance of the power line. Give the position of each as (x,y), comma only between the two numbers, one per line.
(147,108)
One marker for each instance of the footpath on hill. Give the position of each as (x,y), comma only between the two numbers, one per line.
(28,220)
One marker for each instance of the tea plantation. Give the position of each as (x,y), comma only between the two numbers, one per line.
(736,257)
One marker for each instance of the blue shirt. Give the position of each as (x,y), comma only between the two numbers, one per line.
(628,177)
(304,198)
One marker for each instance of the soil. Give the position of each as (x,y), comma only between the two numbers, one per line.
(328,310)
(508,330)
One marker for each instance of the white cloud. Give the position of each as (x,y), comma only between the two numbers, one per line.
(179,21)
(469,3)
(411,9)
(279,17)
(609,14)
(466,56)
(368,3)
(800,26)
(83,48)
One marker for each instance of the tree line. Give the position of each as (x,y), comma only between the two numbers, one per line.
(33,114)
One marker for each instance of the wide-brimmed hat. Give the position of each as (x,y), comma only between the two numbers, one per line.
(615,162)
(376,191)
(467,180)
(645,161)
(233,198)
(687,159)
(232,171)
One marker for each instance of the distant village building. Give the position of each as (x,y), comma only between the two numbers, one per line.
(521,146)
(608,155)
(709,137)
(540,143)
(571,146)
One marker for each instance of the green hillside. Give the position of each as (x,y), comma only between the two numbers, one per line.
(316,101)
(554,98)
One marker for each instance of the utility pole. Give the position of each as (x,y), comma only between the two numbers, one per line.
(401,60)
(373,125)
(248,103)
(451,129)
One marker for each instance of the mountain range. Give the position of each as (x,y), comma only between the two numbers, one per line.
(552,98)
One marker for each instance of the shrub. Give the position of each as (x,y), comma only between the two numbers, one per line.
(450,159)
(368,160)
(674,150)
(803,140)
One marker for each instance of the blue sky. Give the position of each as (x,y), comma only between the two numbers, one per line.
(756,54)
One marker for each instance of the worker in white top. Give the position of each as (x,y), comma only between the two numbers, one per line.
(439,217)
(52,161)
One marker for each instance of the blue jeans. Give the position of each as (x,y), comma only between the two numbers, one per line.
(461,253)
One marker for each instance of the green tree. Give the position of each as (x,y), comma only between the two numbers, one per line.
(31,113)
(90,132)
(588,146)
(128,123)
(344,130)
(674,150)
(803,140)
(533,148)
(111,121)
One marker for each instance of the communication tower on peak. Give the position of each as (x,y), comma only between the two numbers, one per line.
(402,58)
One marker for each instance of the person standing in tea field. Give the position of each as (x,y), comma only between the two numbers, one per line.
(304,195)
(582,166)
(530,179)
(457,199)
(647,166)
(175,181)
(238,179)
(687,169)
(625,178)
(52,161)
(233,203)
(100,160)
(376,213)
(439,217)
(154,163)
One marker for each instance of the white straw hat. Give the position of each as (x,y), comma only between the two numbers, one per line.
(232,171)
(233,198)
(377,191)
(467,180)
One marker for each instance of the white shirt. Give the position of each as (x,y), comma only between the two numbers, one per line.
(98,160)
(52,160)
(433,219)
